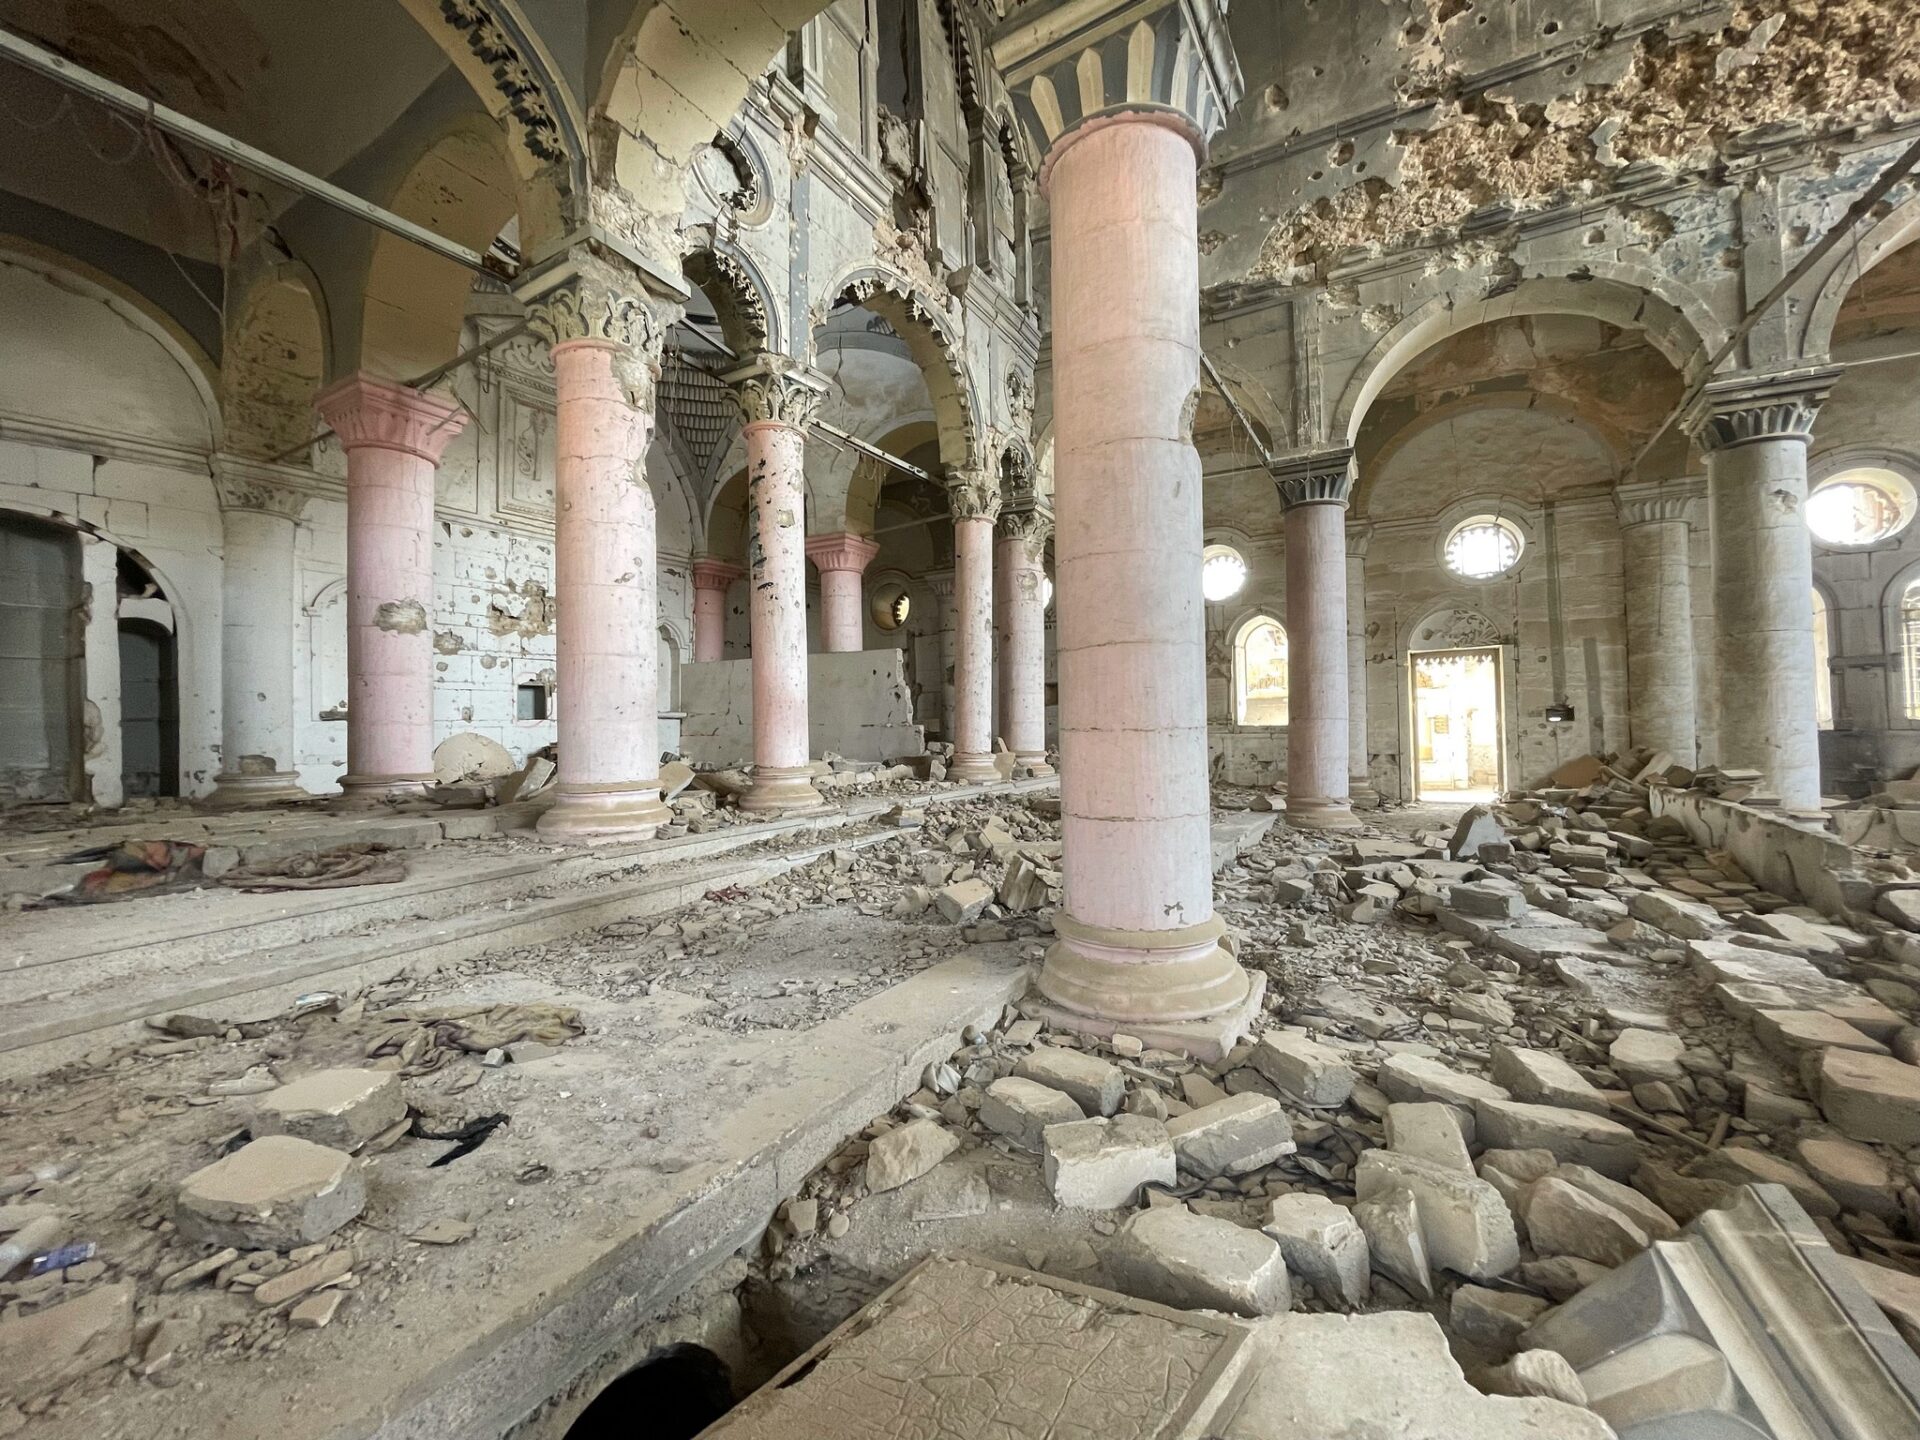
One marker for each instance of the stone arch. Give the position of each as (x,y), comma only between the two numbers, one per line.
(743,300)
(1676,323)
(275,362)
(1257,706)
(867,477)
(725,522)
(1451,622)
(460,186)
(1844,269)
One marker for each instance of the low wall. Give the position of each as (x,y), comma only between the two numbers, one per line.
(1811,866)
(857,706)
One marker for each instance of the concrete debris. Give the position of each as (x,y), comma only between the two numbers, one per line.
(1101,1164)
(276,1193)
(1195,1262)
(340,1108)
(1095,1085)
(1324,1245)
(907,1153)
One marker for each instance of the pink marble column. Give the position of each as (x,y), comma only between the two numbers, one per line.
(777,401)
(975,501)
(712,579)
(1313,490)
(1021,574)
(1139,947)
(841,561)
(393,437)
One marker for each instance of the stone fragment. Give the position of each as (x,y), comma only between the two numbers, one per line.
(1466,1225)
(1684,1197)
(1095,1085)
(1561,1276)
(316,1312)
(908,1152)
(1681,919)
(1642,1055)
(961,902)
(1658,1224)
(1233,1136)
(803,1217)
(1664,1375)
(340,1108)
(1744,1165)
(199,1270)
(276,1193)
(1565,1220)
(1896,1292)
(1101,1164)
(1542,1078)
(1429,1130)
(1493,1319)
(1542,1373)
(332,1266)
(1395,1247)
(41,1352)
(1477,827)
(1196,1262)
(1488,901)
(1870,1097)
(1789,1034)
(1323,1244)
(1020,1110)
(1574,1136)
(1852,1174)
(1310,1072)
(1901,906)
(1420,1077)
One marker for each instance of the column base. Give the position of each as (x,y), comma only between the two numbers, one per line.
(1035,763)
(1320,812)
(777,787)
(1361,794)
(608,815)
(246,792)
(1175,989)
(971,768)
(364,791)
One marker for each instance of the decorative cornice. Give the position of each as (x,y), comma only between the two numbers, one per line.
(1322,478)
(972,495)
(714,574)
(1653,504)
(1748,409)
(251,494)
(518,78)
(367,413)
(775,390)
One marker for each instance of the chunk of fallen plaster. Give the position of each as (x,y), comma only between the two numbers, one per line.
(1020,1110)
(1574,1136)
(1466,1225)
(961,902)
(1232,1136)
(1871,1097)
(1419,1077)
(1196,1262)
(1541,1078)
(50,1348)
(907,1153)
(1310,1072)
(1395,1246)
(1745,1165)
(340,1108)
(1542,1373)
(1324,1245)
(1492,1319)
(1101,1164)
(1639,1056)
(1096,1086)
(277,1193)
(1430,1130)
(1564,1220)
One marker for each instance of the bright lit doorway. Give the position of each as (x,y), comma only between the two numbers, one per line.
(1458,739)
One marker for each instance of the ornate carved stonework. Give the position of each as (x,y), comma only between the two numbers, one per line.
(517,79)
(1020,402)
(1031,527)
(1359,537)
(596,301)
(736,299)
(241,491)
(1651,506)
(1456,630)
(367,412)
(972,495)
(1324,478)
(1747,409)
(776,390)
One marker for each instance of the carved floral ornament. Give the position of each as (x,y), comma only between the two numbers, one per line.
(260,497)
(518,82)
(973,496)
(1032,527)
(1457,630)
(777,391)
(598,301)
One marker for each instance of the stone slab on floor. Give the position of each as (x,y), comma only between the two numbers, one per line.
(966,1349)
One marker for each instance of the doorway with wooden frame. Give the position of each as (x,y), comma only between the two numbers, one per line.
(1458,725)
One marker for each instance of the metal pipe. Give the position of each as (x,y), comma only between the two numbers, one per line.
(1220,385)
(63,71)
(854,442)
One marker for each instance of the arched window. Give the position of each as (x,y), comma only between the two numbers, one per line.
(1823,654)
(1223,571)
(1483,547)
(1260,673)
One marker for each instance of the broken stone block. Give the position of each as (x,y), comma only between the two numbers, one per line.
(1487,901)
(334,1265)
(962,902)
(1681,919)
(1476,827)
(1395,1247)
(276,1193)
(1852,1174)
(1789,1034)
(1658,1224)
(1304,1069)
(1024,886)
(1324,1245)
(1870,1097)
(316,1312)
(1020,1110)
(1101,1164)
(1539,1373)
(1901,906)
(41,1352)
(1095,1085)
(1419,1077)
(1430,1130)
(1896,1292)
(1665,1375)
(1465,1223)
(1196,1262)
(1542,1078)
(1233,1136)
(1745,1165)
(1561,1277)
(907,1153)
(1642,1055)
(340,1108)
(1565,1220)
(1492,1319)
(1574,1136)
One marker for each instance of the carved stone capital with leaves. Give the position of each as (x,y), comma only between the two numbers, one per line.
(1744,410)
(1031,526)
(593,299)
(777,391)
(973,495)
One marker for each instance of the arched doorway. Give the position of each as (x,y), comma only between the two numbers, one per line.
(42,655)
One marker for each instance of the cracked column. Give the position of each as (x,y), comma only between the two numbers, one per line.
(394,437)
(842,560)
(712,579)
(975,502)
(1754,432)
(1313,491)
(777,399)
(1359,772)
(605,345)
(1139,946)
(1656,563)
(1022,575)
(258,520)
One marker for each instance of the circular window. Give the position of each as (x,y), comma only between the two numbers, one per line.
(1860,507)
(1222,573)
(1483,547)
(889,604)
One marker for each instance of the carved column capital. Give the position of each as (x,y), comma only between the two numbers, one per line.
(252,489)
(841,552)
(714,574)
(1747,409)
(1359,538)
(1031,526)
(972,495)
(1653,504)
(367,413)
(775,390)
(1322,478)
(583,296)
